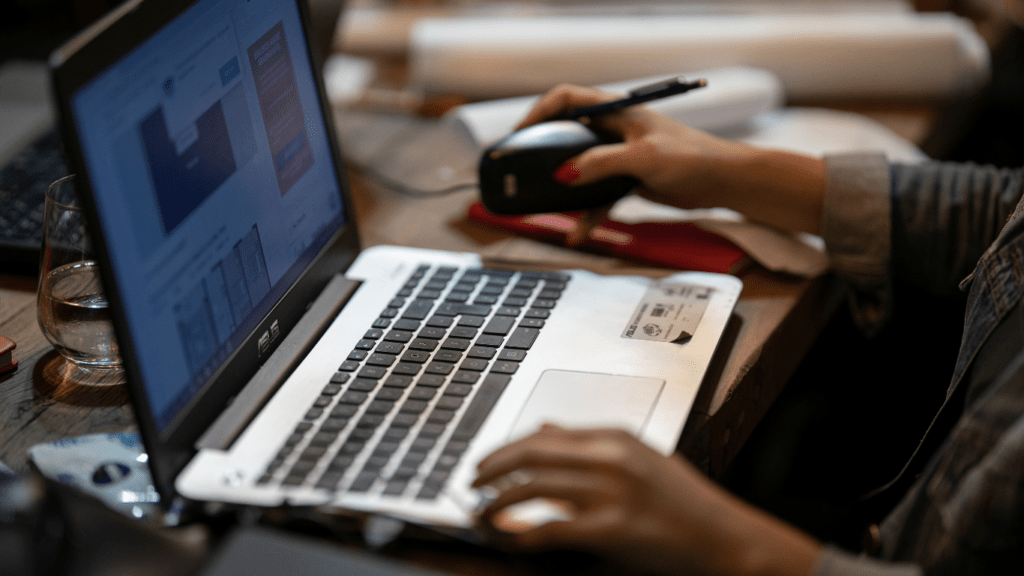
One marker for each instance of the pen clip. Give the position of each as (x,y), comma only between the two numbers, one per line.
(654,88)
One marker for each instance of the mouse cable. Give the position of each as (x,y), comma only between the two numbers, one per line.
(389,183)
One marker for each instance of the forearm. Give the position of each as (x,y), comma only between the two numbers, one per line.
(745,541)
(780,189)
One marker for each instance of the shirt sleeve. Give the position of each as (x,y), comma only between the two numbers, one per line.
(926,223)
(856,228)
(835,562)
(944,216)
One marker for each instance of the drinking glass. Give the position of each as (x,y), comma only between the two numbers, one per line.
(71,306)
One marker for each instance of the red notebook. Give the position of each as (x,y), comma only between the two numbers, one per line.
(678,245)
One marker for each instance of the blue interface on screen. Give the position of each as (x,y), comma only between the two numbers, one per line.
(207,152)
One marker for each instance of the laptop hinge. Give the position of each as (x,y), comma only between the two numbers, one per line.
(280,365)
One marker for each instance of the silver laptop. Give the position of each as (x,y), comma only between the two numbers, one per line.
(270,359)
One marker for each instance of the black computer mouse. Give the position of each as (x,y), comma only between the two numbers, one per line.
(516,173)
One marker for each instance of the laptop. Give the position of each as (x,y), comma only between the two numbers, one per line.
(270,359)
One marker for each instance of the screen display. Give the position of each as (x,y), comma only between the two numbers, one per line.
(208,156)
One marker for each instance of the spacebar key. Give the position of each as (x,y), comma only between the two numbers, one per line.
(486,397)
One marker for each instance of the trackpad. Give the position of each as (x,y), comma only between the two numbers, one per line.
(588,400)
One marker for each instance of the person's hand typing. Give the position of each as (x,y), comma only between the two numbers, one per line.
(629,502)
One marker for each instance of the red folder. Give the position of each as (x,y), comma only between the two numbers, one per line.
(678,245)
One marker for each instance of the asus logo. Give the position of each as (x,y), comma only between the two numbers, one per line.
(268,337)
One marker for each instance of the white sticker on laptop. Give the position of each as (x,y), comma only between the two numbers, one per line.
(668,312)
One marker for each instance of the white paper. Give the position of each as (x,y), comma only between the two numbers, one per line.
(732,98)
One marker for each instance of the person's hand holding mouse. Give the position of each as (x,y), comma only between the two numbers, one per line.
(687,168)
(631,503)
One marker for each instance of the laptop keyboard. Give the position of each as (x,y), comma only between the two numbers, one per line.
(404,404)
(23,184)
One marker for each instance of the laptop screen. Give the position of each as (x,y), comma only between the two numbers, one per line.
(208,157)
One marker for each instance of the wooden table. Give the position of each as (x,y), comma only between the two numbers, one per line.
(775,321)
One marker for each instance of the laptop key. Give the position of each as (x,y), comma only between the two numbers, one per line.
(432,430)
(463,332)
(439,368)
(372,372)
(431,333)
(465,377)
(461,389)
(402,336)
(380,407)
(378,359)
(457,297)
(418,356)
(344,411)
(419,309)
(406,369)
(522,338)
(483,352)
(490,340)
(447,402)
(448,356)
(389,394)
(334,425)
(330,480)
(473,365)
(363,481)
(499,325)
(413,406)
(422,393)
(471,321)
(439,321)
(340,462)
(362,385)
(390,347)
(532,322)
(339,378)
(405,419)
(480,406)
(370,421)
(407,324)
(432,380)
(505,367)
(512,355)
(353,397)
(398,380)
(425,344)
(456,343)
(513,311)
(395,487)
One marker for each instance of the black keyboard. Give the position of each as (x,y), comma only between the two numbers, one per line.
(23,184)
(405,404)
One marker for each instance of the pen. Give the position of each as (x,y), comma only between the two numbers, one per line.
(639,95)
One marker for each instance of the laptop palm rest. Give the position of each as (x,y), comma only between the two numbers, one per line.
(588,400)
